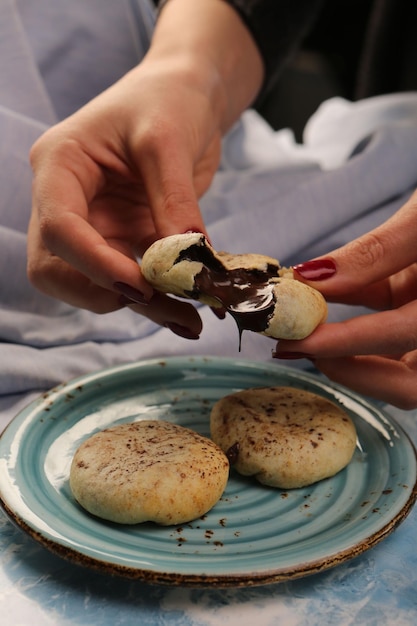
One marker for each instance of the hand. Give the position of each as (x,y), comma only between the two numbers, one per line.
(374,354)
(130,166)
(93,189)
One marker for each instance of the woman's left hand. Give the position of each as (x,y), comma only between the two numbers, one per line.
(373,354)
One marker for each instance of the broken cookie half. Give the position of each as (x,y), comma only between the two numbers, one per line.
(253,288)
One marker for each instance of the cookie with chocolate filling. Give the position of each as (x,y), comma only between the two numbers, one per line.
(257,292)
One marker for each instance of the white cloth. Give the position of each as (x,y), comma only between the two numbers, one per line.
(270,195)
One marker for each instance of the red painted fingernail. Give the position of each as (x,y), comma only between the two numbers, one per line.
(181,331)
(130,292)
(292,355)
(191,231)
(319,269)
(125,301)
(219,312)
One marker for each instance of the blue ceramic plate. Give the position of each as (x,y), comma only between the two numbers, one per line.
(255,534)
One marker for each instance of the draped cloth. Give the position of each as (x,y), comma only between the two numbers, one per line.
(355,167)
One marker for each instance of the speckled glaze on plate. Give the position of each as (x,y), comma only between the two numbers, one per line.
(254,535)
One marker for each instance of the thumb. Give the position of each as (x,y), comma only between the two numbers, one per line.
(363,265)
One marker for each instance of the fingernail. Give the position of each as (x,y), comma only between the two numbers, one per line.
(319,269)
(125,301)
(191,231)
(219,312)
(181,331)
(292,355)
(133,294)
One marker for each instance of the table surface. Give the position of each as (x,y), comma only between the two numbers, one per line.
(378,587)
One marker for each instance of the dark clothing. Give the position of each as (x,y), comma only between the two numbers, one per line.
(278,27)
(389,54)
(370,43)
(349,48)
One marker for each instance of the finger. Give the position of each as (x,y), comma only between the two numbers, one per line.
(388,293)
(180,317)
(61,281)
(59,227)
(372,257)
(387,332)
(57,279)
(389,380)
(168,178)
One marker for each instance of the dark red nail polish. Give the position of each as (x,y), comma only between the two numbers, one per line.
(181,331)
(219,312)
(319,269)
(196,231)
(124,301)
(130,292)
(292,355)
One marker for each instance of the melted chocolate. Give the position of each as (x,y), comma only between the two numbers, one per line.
(248,298)
(246,293)
(233,452)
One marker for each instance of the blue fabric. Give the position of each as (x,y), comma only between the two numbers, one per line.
(270,195)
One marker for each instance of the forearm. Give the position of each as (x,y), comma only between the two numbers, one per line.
(216,50)
(276,26)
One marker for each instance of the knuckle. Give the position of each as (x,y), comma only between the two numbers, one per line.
(34,274)
(177,201)
(37,148)
(156,134)
(40,272)
(40,278)
(47,233)
(33,154)
(366,251)
(50,141)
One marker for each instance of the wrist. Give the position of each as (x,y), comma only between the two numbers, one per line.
(214,49)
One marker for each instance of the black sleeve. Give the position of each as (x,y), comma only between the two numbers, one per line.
(278,27)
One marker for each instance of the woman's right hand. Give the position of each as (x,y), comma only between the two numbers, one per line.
(130,166)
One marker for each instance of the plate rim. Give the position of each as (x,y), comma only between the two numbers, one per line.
(235,579)
(220,581)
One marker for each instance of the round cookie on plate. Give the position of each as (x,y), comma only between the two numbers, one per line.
(148,470)
(284,436)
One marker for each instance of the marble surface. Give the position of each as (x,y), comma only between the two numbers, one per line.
(37,587)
